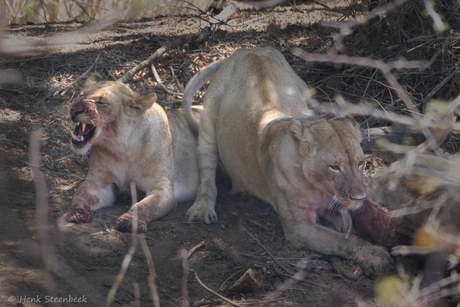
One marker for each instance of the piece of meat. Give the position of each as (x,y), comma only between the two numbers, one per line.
(371,221)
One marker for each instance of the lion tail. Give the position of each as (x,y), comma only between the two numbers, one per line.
(197,81)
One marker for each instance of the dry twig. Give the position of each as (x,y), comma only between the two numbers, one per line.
(212,291)
(268,252)
(158,80)
(51,262)
(128,257)
(185,267)
(152,273)
(194,37)
(385,69)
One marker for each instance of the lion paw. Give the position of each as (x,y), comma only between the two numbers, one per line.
(374,260)
(202,211)
(125,224)
(78,213)
(350,272)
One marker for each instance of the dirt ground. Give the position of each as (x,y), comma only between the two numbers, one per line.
(87,257)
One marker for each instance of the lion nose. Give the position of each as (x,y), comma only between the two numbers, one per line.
(77,107)
(76,112)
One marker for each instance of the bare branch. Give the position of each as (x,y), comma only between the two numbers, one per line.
(367,62)
(268,252)
(152,273)
(50,260)
(212,291)
(186,269)
(129,256)
(185,39)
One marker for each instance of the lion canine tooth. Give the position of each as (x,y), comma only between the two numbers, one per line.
(73,135)
(83,126)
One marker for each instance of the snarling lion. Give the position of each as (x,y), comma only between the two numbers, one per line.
(256,120)
(132,139)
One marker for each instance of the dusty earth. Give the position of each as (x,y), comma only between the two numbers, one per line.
(84,259)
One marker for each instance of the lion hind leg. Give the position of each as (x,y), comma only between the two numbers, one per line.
(203,208)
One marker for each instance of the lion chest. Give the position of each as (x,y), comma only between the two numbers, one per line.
(122,170)
(306,203)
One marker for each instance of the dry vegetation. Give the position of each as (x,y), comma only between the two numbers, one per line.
(386,63)
(45,11)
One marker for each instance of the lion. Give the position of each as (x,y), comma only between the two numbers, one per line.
(255,119)
(132,139)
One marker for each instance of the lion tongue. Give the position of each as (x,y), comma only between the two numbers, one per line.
(83,129)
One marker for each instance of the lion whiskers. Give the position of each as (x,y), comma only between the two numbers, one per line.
(358,205)
(334,204)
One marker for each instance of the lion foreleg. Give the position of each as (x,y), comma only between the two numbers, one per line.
(203,208)
(372,259)
(91,195)
(154,206)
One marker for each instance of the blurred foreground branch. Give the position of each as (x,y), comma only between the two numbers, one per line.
(52,263)
(385,69)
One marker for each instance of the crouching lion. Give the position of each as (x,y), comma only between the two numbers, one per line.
(256,120)
(132,139)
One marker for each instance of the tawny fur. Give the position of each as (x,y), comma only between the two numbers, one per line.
(134,140)
(256,120)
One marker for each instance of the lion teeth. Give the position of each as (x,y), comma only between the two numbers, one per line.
(83,126)
(73,135)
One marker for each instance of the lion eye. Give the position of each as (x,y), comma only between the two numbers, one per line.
(360,164)
(335,167)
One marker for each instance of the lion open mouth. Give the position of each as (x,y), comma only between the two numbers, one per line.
(83,133)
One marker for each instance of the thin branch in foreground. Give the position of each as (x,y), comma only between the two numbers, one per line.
(152,273)
(378,11)
(212,291)
(268,252)
(435,289)
(185,267)
(419,207)
(129,256)
(41,211)
(137,295)
(50,260)
(385,69)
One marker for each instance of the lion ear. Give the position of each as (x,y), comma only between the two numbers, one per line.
(303,137)
(354,128)
(95,78)
(144,102)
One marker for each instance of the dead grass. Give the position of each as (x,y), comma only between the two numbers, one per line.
(50,11)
